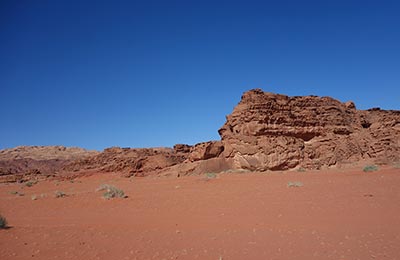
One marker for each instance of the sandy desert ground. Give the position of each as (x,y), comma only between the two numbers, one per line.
(336,214)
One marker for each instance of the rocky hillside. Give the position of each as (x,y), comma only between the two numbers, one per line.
(265,131)
(25,162)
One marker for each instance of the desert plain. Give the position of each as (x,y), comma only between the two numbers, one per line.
(311,214)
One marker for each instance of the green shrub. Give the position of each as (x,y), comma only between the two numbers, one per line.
(111,191)
(3,222)
(301,169)
(370,168)
(294,184)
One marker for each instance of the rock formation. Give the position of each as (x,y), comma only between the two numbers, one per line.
(131,162)
(265,131)
(275,132)
(148,161)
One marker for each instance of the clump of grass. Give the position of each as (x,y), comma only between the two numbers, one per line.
(241,171)
(59,194)
(3,222)
(301,169)
(370,168)
(211,175)
(30,183)
(17,193)
(111,191)
(396,165)
(295,184)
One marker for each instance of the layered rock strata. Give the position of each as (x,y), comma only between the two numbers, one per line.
(269,131)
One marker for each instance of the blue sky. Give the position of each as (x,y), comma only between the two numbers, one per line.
(97,74)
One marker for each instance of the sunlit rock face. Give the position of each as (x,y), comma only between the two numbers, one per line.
(269,131)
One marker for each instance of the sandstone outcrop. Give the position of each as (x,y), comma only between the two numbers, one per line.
(265,131)
(276,132)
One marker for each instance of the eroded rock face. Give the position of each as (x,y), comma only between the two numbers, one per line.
(276,132)
(205,151)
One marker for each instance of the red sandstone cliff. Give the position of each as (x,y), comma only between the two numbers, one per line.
(275,132)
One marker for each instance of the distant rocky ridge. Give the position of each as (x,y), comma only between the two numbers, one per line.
(45,153)
(265,131)
(26,162)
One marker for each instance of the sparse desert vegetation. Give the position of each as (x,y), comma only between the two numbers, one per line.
(59,194)
(111,191)
(236,171)
(211,175)
(3,222)
(370,168)
(294,184)
(17,193)
(30,183)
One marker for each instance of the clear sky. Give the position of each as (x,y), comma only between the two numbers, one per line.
(97,74)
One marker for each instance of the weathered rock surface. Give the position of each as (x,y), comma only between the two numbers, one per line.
(205,151)
(275,132)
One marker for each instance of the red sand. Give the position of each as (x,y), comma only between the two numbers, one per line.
(334,215)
